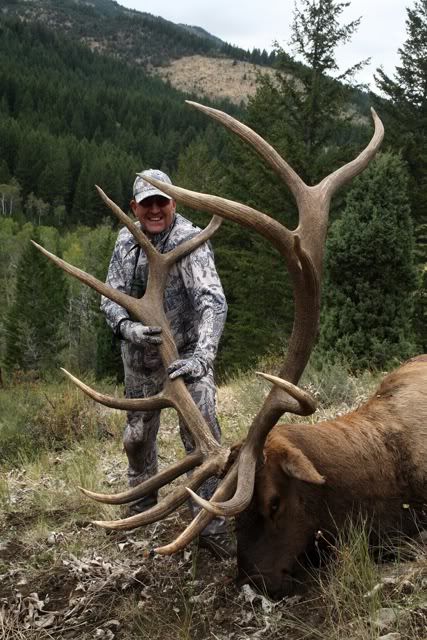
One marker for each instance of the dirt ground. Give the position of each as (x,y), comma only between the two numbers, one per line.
(73,580)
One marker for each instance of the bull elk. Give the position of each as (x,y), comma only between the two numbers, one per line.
(302,251)
(371,462)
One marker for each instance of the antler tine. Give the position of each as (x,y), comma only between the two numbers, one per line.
(305,404)
(159,401)
(196,526)
(121,298)
(187,247)
(169,503)
(345,173)
(139,236)
(165,476)
(263,148)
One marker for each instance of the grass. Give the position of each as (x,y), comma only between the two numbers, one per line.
(109,586)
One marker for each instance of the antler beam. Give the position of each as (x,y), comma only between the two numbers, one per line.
(302,250)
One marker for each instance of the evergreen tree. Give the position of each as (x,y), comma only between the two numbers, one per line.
(300,113)
(316,34)
(370,274)
(34,323)
(309,116)
(405,117)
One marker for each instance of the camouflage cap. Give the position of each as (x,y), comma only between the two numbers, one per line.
(143,189)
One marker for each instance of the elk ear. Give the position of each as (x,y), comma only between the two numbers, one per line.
(295,464)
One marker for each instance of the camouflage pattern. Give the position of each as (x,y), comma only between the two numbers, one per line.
(196,308)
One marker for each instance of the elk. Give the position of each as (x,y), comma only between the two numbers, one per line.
(371,463)
(302,251)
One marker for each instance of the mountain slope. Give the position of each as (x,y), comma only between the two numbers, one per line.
(131,35)
(141,39)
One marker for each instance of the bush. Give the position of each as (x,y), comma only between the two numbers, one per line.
(39,417)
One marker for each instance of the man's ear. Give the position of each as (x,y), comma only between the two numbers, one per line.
(133,205)
(296,464)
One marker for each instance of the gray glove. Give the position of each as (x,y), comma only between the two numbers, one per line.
(191,368)
(139,334)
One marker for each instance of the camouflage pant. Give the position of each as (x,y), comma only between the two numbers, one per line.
(140,435)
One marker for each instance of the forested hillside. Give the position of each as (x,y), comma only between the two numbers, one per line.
(72,117)
(133,36)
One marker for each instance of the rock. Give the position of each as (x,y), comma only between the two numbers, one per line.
(385,618)
(391,636)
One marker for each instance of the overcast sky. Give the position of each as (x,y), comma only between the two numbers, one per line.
(258,23)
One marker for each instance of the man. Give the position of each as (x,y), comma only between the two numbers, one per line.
(196,308)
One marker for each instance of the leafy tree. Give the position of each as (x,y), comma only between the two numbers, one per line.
(34,322)
(304,111)
(370,274)
(90,344)
(10,198)
(36,209)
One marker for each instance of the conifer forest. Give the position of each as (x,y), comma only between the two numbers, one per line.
(72,117)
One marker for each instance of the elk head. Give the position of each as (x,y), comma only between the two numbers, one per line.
(302,251)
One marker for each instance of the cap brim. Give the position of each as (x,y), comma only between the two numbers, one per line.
(139,197)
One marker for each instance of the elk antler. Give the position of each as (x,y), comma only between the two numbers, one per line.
(209,456)
(302,250)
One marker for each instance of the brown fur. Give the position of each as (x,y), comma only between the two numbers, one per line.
(372,460)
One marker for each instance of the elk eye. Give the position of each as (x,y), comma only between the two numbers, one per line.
(274,506)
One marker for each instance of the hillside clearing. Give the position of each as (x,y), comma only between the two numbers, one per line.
(214,78)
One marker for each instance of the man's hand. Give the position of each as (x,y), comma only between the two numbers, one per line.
(139,334)
(190,368)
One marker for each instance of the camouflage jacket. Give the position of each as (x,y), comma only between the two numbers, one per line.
(194,300)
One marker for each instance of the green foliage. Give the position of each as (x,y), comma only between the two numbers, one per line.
(70,119)
(33,336)
(406,120)
(90,345)
(35,418)
(314,106)
(370,275)
(300,113)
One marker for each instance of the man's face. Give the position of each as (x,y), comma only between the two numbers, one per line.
(154,213)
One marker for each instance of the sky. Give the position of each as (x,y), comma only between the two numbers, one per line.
(258,23)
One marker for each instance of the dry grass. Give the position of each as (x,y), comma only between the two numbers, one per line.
(214,78)
(61,577)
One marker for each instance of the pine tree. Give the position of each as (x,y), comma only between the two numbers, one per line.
(34,323)
(304,110)
(316,34)
(370,276)
(300,113)
(406,120)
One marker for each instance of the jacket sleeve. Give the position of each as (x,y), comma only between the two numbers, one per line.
(206,293)
(114,313)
